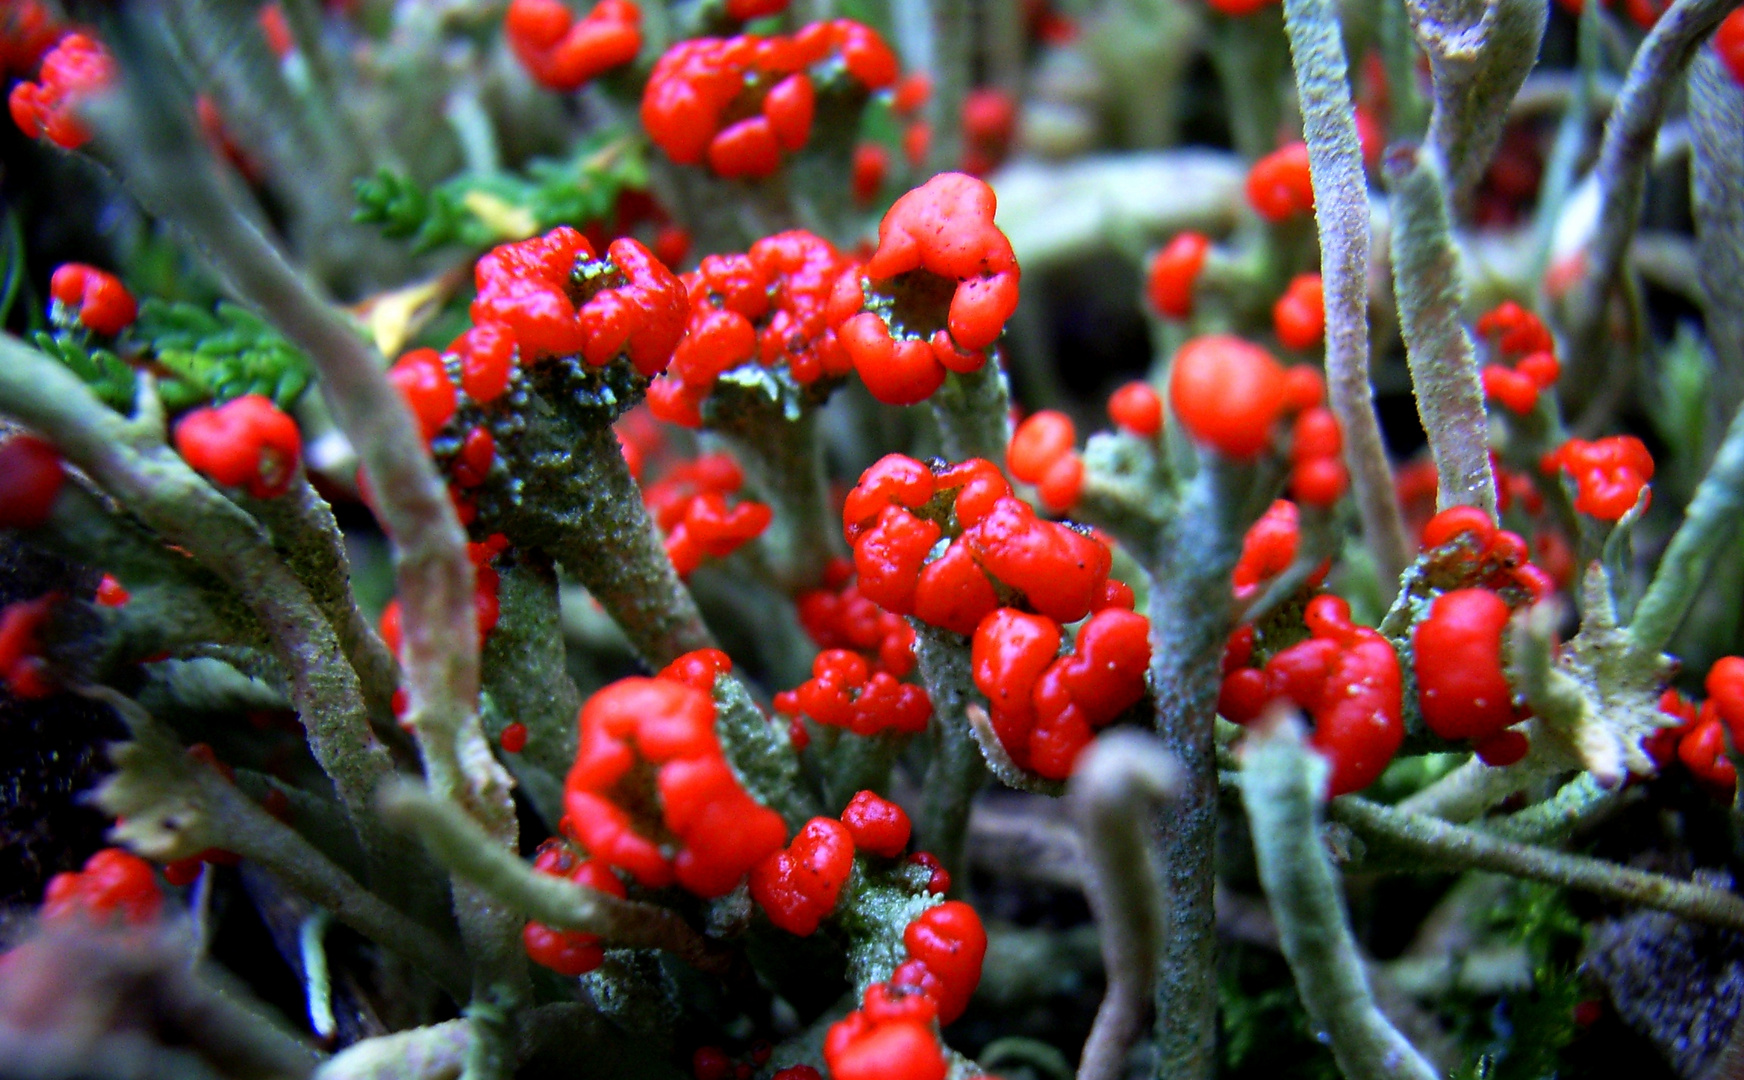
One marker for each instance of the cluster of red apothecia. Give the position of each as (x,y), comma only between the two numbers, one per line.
(740,103)
(1610,474)
(1698,738)
(689,505)
(1011,580)
(856,679)
(1230,394)
(769,305)
(1346,677)
(1513,332)
(562,52)
(76,67)
(939,235)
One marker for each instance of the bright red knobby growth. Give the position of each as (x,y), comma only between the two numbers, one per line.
(563,52)
(839,616)
(1041,453)
(99,300)
(114,885)
(876,824)
(1173,273)
(1299,316)
(48,108)
(656,737)
(1268,549)
(1467,550)
(1515,332)
(1609,473)
(945,229)
(1345,677)
(22,668)
(989,122)
(845,692)
(1317,473)
(740,103)
(689,504)
(799,886)
(27,31)
(536,289)
(769,306)
(568,952)
(1278,185)
(1729,45)
(1228,393)
(1137,409)
(31,475)
(246,443)
(1461,686)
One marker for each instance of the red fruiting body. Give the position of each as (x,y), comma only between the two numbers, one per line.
(1041,454)
(1514,331)
(844,692)
(769,305)
(1725,685)
(876,825)
(989,121)
(27,31)
(563,52)
(797,888)
(487,360)
(1461,687)
(839,616)
(567,952)
(1703,753)
(951,942)
(1236,9)
(1729,45)
(1345,677)
(1268,548)
(1299,316)
(1317,473)
(114,885)
(1609,473)
(1467,548)
(21,666)
(423,381)
(871,165)
(246,443)
(1173,273)
(944,228)
(692,104)
(710,1063)
(689,504)
(75,68)
(798,1072)
(668,724)
(530,287)
(1137,409)
(31,475)
(111,593)
(1278,185)
(1228,394)
(858,1049)
(98,299)
(514,737)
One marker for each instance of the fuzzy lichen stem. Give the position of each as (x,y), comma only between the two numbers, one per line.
(1717,185)
(152,482)
(1436,844)
(783,459)
(308,538)
(956,771)
(1710,522)
(974,413)
(1444,367)
(172,175)
(1342,217)
(1626,154)
(460,844)
(1281,785)
(1479,55)
(1112,795)
(585,508)
(1191,612)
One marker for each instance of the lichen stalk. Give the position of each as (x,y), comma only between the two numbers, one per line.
(1627,152)
(956,770)
(1342,218)
(973,412)
(1710,522)
(1716,110)
(434,578)
(1444,368)
(1191,613)
(1112,794)
(1281,786)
